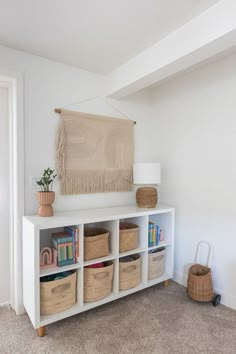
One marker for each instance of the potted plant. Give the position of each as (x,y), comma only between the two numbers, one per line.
(46,196)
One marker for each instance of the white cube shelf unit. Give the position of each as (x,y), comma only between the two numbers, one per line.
(37,234)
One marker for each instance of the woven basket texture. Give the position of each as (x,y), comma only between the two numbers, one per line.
(98,282)
(130,273)
(146,197)
(96,243)
(156,264)
(57,295)
(200,287)
(128,237)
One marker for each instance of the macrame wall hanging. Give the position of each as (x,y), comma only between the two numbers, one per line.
(94,153)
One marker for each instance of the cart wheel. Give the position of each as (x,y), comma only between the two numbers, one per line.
(216,300)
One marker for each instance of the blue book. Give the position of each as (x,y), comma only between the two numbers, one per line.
(157,234)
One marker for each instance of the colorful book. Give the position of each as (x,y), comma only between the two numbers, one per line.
(74,232)
(61,237)
(63,243)
(151,234)
(157,234)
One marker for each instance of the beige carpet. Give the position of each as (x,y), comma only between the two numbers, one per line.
(156,320)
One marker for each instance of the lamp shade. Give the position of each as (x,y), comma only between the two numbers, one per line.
(146,173)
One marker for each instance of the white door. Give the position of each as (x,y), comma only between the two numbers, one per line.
(4,198)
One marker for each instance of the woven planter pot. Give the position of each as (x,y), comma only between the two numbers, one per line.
(146,197)
(45,200)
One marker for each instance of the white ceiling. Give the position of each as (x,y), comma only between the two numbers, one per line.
(96,35)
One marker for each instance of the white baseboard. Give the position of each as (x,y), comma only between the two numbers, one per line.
(5,304)
(226,299)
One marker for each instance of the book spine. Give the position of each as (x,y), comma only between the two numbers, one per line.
(72,232)
(77,245)
(153,235)
(161,233)
(149,236)
(69,251)
(157,234)
(62,256)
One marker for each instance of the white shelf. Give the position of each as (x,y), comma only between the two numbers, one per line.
(55,270)
(36,229)
(98,260)
(86,216)
(130,252)
(161,244)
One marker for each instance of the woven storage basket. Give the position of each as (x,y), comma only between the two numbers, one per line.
(128,236)
(57,295)
(156,264)
(200,287)
(96,243)
(98,282)
(130,272)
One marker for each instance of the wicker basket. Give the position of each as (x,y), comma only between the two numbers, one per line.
(98,282)
(200,287)
(128,236)
(156,264)
(130,272)
(57,295)
(146,197)
(96,243)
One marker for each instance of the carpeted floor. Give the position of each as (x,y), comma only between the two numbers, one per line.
(155,320)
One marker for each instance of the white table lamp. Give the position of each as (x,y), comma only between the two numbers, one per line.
(146,174)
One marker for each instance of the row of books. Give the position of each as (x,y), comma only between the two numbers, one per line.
(155,234)
(67,245)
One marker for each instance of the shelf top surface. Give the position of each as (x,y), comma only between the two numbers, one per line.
(85,216)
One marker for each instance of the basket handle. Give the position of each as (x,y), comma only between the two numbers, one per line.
(157,258)
(101,275)
(198,251)
(58,289)
(129,269)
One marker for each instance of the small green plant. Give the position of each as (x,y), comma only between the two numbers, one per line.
(46,181)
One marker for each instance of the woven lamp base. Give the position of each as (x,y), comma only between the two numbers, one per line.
(146,197)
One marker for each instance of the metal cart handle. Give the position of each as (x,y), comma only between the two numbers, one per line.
(198,251)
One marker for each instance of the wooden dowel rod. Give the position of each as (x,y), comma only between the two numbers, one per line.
(58,110)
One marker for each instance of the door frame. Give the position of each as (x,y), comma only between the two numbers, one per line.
(14,83)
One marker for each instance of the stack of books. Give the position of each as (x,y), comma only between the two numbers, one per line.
(67,245)
(155,234)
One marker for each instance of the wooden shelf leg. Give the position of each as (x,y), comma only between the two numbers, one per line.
(41,331)
(166,283)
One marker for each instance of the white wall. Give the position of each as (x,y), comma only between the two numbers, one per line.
(4,193)
(195,123)
(48,85)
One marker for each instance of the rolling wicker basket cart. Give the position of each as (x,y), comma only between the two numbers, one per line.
(199,286)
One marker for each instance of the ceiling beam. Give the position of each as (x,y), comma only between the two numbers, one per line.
(205,36)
